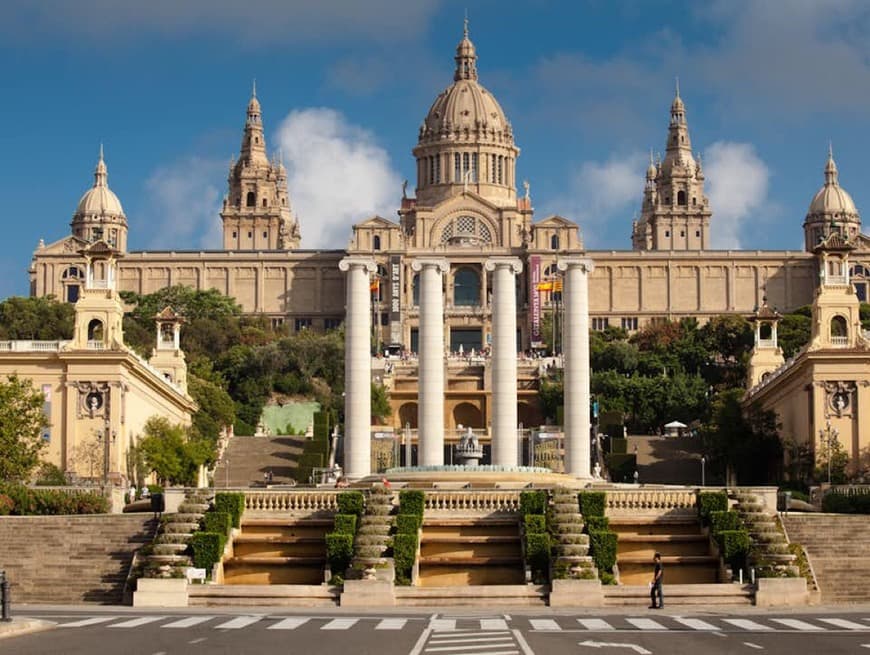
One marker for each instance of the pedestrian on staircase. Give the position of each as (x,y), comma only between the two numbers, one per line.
(655,587)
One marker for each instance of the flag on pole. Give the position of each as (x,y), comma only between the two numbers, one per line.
(544,286)
(375,285)
(557,284)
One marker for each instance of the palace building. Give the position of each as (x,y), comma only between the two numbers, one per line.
(466,209)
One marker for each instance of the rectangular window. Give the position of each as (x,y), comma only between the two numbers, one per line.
(474,167)
(265,235)
(331,323)
(277,321)
(492,170)
(466,165)
(438,169)
(300,324)
(500,166)
(629,323)
(457,167)
(600,323)
(385,318)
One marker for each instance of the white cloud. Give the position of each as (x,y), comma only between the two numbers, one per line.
(337,175)
(184,200)
(737,181)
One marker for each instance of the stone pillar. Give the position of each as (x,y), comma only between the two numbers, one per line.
(357,367)
(430,418)
(576,362)
(504,359)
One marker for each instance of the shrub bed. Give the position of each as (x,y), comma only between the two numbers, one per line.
(233,503)
(339,551)
(350,502)
(533,502)
(602,545)
(592,503)
(219,522)
(412,501)
(709,502)
(842,504)
(207,548)
(20,500)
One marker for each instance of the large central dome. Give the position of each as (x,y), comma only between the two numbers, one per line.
(465,142)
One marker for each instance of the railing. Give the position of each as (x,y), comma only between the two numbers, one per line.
(32,346)
(291,501)
(766,343)
(472,501)
(656,500)
(96,345)
(840,341)
(850,489)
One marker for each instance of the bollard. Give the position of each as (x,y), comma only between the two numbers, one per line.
(4,597)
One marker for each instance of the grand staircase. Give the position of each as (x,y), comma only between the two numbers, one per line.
(838,546)
(247,459)
(71,559)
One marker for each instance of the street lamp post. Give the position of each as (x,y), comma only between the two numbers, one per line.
(829,435)
(703,478)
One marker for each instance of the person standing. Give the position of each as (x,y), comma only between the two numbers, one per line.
(655,587)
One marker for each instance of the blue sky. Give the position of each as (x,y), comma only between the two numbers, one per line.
(345,84)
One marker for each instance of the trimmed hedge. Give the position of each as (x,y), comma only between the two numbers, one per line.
(345,524)
(219,522)
(207,549)
(711,501)
(618,446)
(602,545)
(339,551)
(538,551)
(735,546)
(720,521)
(26,501)
(533,502)
(350,502)
(597,524)
(535,523)
(408,523)
(621,466)
(412,501)
(592,503)
(404,556)
(233,503)
(841,504)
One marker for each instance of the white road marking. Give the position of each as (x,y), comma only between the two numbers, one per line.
(746,624)
(646,624)
(339,624)
(238,622)
(135,623)
(188,622)
(595,624)
(640,650)
(94,620)
(696,624)
(751,645)
(843,623)
(544,624)
(797,624)
(467,648)
(290,623)
(493,624)
(421,642)
(523,643)
(439,625)
(196,641)
(468,640)
(391,624)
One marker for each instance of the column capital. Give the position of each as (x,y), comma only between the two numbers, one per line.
(419,264)
(350,262)
(514,263)
(586,264)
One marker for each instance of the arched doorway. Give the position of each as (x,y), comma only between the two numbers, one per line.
(468,416)
(408,415)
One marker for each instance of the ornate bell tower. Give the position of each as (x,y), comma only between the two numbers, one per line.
(766,354)
(99,309)
(168,358)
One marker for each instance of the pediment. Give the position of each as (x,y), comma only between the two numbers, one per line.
(69,245)
(554,221)
(466,200)
(377,222)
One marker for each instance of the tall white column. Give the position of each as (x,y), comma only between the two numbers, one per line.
(576,360)
(504,359)
(357,367)
(431,379)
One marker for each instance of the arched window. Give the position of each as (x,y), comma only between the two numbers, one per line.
(466,288)
(71,280)
(376,242)
(250,199)
(839,328)
(95,330)
(265,202)
(681,198)
(554,242)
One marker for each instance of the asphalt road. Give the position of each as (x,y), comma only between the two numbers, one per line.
(458,631)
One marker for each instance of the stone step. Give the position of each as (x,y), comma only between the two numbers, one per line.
(276,561)
(474,539)
(452,560)
(671,560)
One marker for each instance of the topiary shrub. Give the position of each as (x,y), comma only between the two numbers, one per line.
(602,546)
(412,501)
(728,520)
(592,503)
(837,504)
(538,552)
(735,547)
(535,523)
(350,502)
(597,524)
(408,523)
(339,551)
(711,501)
(345,523)
(233,503)
(219,522)
(207,548)
(533,502)
(404,556)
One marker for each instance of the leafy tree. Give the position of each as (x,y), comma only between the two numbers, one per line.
(793,333)
(21,422)
(380,404)
(170,453)
(216,409)
(43,319)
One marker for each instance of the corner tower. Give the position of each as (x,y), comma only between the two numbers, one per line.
(256,212)
(465,141)
(675,214)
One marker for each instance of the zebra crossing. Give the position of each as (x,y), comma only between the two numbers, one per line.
(444,628)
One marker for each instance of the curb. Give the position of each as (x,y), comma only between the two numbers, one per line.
(23,626)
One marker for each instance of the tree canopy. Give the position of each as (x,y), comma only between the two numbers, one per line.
(21,423)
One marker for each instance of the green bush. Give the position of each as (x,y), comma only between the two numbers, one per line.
(207,549)
(533,502)
(607,578)
(408,523)
(711,501)
(412,501)
(6,505)
(345,523)
(834,503)
(538,551)
(155,489)
(592,503)
(219,522)
(404,556)
(50,475)
(618,446)
(597,524)
(735,546)
(26,501)
(339,551)
(233,503)
(621,466)
(728,520)
(350,502)
(535,523)
(602,546)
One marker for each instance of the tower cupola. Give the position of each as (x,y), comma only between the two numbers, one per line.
(99,214)
(832,210)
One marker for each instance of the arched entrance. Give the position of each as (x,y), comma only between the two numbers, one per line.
(408,415)
(468,416)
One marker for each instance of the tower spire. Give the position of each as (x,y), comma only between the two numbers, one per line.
(253,141)
(831,173)
(466,56)
(101,173)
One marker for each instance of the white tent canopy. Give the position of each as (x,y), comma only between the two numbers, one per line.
(675,425)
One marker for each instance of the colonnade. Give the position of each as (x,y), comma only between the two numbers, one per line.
(357,442)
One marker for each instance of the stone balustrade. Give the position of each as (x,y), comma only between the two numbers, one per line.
(482,501)
(304,500)
(654,501)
